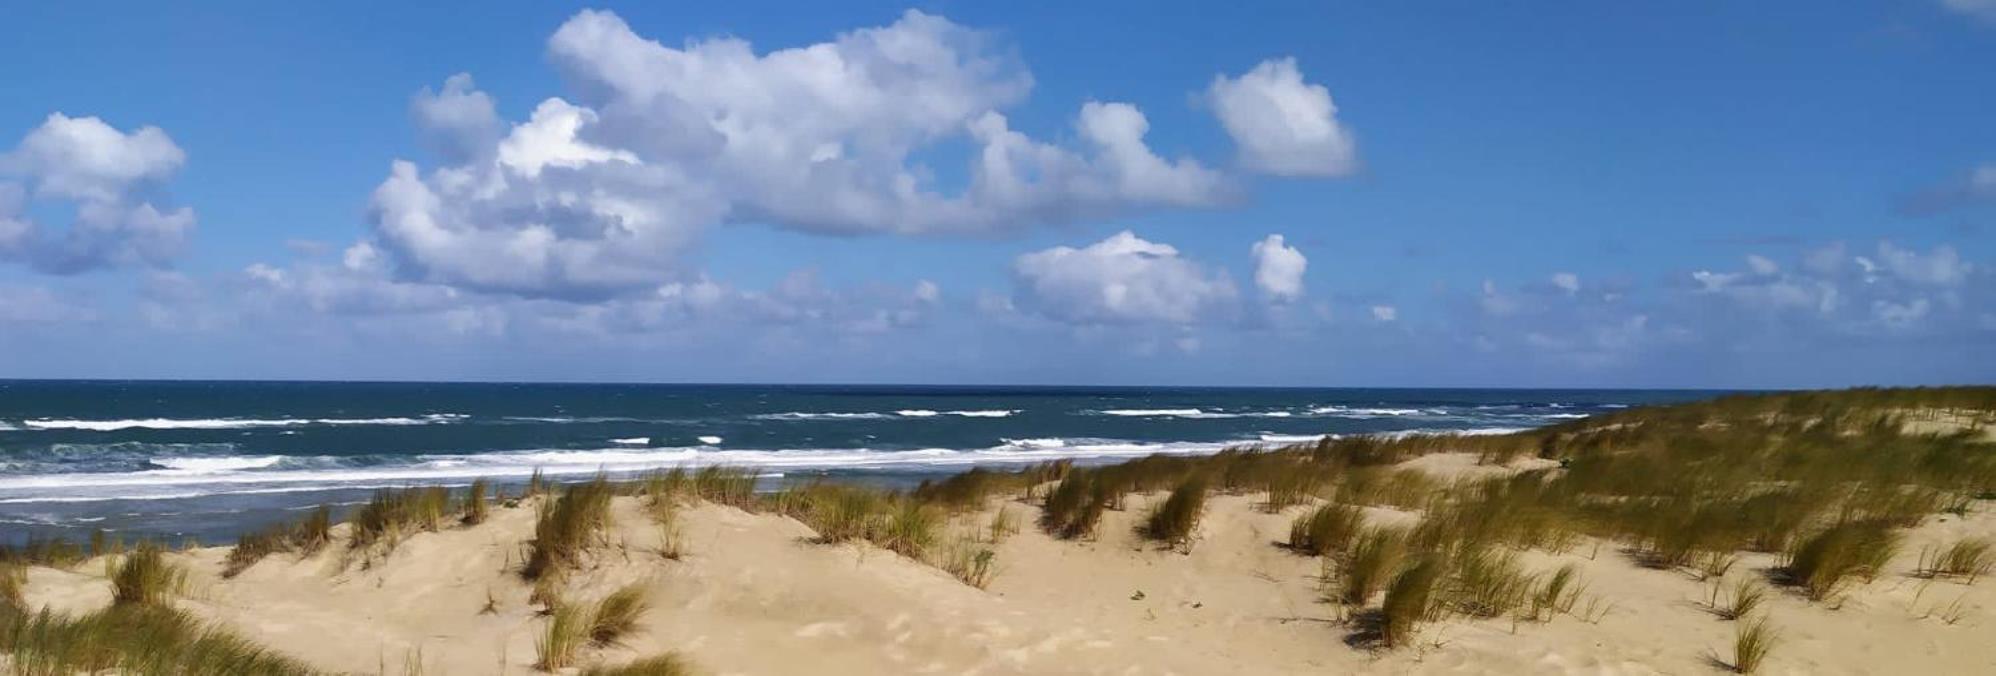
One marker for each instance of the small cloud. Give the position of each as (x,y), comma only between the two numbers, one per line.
(1385,313)
(1278,269)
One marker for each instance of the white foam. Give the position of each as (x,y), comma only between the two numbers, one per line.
(710,440)
(993,413)
(821,416)
(1053,442)
(226,423)
(917,413)
(1565,416)
(203,465)
(1292,438)
(165,484)
(633,441)
(1154,412)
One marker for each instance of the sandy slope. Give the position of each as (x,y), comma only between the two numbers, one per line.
(754,596)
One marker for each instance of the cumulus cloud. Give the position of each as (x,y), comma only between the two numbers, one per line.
(100,173)
(1283,125)
(1977,186)
(599,193)
(1278,269)
(1122,279)
(1980,9)
(1567,282)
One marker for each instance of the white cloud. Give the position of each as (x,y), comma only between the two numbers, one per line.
(1942,267)
(459,121)
(1282,124)
(84,159)
(1121,279)
(1278,269)
(1566,282)
(1385,313)
(1980,9)
(1761,265)
(98,171)
(600,193)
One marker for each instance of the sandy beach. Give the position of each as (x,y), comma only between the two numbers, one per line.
(754,594)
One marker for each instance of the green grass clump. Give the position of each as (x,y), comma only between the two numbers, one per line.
(732,486)
(1752,640)
(1174,521)
(1366,568)
(141,640)
(1409,601)
(1968,558)
(969,562)
(476,508)
(1748,595)
(395,513)
(567,526)
(1326,530)
(561,642)
(668,664)
(1557,594)
(1824,563)
(617,615)
(1071,509)
(13,585)
(307,537)
(145,577)
(910,529)
(1487,583)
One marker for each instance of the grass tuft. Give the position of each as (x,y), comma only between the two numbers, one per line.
(145,577)
(668,664)
(617,615)
(567,526)
(562,640)
(1752,640)
(1174,521)
(1825,563)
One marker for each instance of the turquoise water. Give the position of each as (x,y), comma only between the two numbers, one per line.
(209,459)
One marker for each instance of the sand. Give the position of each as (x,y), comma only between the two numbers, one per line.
(754,595)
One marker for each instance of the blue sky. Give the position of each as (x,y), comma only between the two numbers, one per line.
(1699,194)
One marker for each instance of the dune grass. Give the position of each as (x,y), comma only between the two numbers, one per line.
(969,561)
(668,664)
(1326,530)
(1409,601)
(1557,593)
(1747,596)
(568,526)
(1753,639)
(1967,558)
(1174,521)
(475,507)
(131,639)
(145,577)
(1825,563)
(13,584)
(395,513)
(562,640)
(617,615)
(1366,568)
(306,536)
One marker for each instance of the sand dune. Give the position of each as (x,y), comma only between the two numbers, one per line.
(754,595)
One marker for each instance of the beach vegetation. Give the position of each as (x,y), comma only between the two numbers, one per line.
(568,526)
(1174,521)
(667,664)
(145,577)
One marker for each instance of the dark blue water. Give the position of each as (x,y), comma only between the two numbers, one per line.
(209,459)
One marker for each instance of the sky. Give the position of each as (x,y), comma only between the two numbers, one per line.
(1685,194)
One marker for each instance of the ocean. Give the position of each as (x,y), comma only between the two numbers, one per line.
(209,460)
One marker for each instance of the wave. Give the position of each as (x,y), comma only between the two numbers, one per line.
(1153,412)
(633,441)
(227,423)
(200,465)
(798,415)
(710,440)
(234,474)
